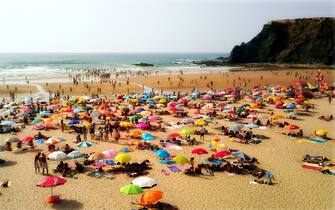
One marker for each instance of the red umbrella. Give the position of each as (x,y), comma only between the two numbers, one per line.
(199,151)
(27,138)
(221,153)
(173,135)
(51,181)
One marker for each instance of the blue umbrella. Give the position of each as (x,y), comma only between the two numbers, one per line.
(8,123)
(45,113)
(242,155)
(291,106)
(39,141)
(147,137)
(125,150)
(162,154)
(73,122)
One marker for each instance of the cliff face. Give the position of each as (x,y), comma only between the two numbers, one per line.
(309,40)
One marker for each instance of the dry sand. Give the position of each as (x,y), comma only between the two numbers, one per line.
(297,188)
(18,89)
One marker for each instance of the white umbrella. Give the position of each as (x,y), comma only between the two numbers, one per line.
(144,182)
(75,154)
(57,155)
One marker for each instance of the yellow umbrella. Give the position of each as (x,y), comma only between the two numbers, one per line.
(180,159)
(321,133)
(123,158)
(199,122)
(126,124)
(162,101)
(134,100)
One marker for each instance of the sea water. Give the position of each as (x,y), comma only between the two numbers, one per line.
(42,67)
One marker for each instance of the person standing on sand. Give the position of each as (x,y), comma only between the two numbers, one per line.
(330,98)
(37,163)
(44,164)
(62,125)
(202,133)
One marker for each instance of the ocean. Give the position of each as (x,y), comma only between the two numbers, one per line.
(16,68)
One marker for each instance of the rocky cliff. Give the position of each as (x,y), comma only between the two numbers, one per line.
(307,40)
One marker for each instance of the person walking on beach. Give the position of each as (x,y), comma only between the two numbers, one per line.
(330,99)
(44,164)
(62,125)
(37,163)
(202,133)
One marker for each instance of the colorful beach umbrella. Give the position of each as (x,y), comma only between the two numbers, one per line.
(122,158)
(27,138)
(221,153)
(162,154)
(109,153)
(57,155)
(151,196)
(199,151)
(174,135)
(147,137)
(144,182)
(51,181)
(180,159)
(187,132)
(75,154)
(131,189)
(84,144)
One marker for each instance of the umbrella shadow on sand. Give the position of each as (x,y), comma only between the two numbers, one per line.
(8,163)
(68,204)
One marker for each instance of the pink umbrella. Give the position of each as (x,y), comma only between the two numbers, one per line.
(142,125)
(109,153)
(199,151)
(154,118)
(51,181)
(221,153)
(172,104)
(27,138)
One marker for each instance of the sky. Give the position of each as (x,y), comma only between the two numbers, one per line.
(143,25)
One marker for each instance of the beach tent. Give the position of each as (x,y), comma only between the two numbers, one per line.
(144,182)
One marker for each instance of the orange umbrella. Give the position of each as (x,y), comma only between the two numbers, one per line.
(151,196)
(291,127)
(136,133)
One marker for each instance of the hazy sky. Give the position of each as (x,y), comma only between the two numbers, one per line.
(142,25)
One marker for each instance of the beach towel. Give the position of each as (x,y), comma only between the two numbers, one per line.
(165,172)
(167,162)
(174,169)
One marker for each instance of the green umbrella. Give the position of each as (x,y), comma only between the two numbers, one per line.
(180,159)
(134,117)
(37,120)
(187,132)
(131,189)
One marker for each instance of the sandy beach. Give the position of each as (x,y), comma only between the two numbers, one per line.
(296,188)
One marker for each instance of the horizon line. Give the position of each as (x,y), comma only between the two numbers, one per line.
(97,52)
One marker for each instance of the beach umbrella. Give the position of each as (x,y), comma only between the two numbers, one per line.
(199,151)
(180,159)
(147,137)
(321,133)
(136,133)
(96,156)
(187,120)
(291,127)
(187,131)
(290,106)
(84,144)
(251,125)
(199,122)
(174,135)
(52,141)
(109,153)
(51,181)
(144,182)
(142,125)
(125,150)
(151,196)
(8,123)
(73,122)
(75,154)
(173,147)
(221,153)
(235,127)
(13,139)
(162,154)
(123,158)
(242,155)
(36,120)
(27,138)
(131,189)
(154,118)
(134,117)
(57,155)
(126,124)
(44,113)
(39,141)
